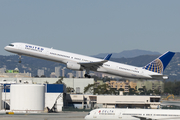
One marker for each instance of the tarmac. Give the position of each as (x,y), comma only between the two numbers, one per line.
(58,116)
(44,116)
(175,103)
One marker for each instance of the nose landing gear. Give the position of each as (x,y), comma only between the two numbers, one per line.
(20,59)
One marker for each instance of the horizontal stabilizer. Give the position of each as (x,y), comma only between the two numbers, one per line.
(159,77)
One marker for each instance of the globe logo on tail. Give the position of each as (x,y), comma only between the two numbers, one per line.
(155,66)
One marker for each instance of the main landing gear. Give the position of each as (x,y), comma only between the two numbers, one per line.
(87,74)
(20,59)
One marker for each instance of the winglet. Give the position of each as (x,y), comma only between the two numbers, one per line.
(108,57)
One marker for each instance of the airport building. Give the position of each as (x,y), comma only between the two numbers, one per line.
(133,101)
(112,101)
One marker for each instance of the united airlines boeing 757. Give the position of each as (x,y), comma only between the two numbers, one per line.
(133,114)
(153,70)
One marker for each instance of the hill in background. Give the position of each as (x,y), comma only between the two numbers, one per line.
(128,54)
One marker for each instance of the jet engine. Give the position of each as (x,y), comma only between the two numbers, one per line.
(73,66)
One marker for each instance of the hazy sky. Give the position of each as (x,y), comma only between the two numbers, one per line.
(90,27)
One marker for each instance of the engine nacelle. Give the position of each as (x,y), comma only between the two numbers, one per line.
(73,66)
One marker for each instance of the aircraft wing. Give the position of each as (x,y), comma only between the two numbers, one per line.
(142,118)
(154,118)
(95,65)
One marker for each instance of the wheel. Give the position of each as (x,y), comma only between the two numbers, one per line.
(19,58)
(87,76)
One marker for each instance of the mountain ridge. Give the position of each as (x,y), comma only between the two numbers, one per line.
(128,53)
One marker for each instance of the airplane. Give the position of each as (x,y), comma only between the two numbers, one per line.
(152,71)
(132,114)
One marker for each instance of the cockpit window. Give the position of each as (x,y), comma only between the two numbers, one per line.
(89,113)
(11,45)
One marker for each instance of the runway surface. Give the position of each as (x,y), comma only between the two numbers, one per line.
(176,103)
(45,116)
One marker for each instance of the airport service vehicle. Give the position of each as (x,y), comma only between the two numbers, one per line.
(153,70)
(133,114)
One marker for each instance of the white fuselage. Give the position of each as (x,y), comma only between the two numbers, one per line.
(109,67)
(132,114)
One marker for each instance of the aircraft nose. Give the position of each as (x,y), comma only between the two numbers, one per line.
(7,48)
(86,117)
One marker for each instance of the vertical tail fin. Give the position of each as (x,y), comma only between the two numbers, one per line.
(158,65)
